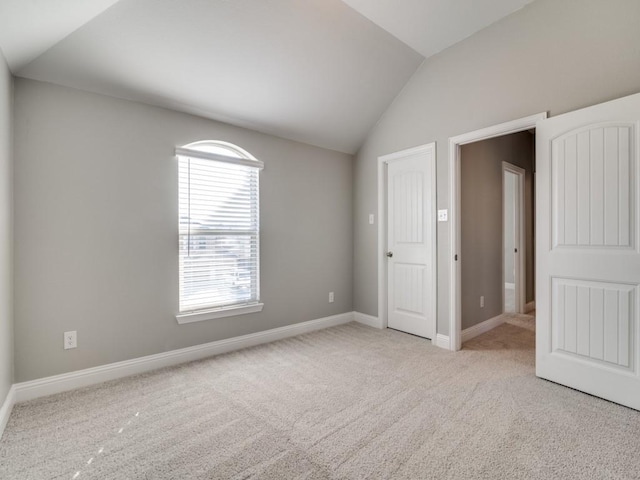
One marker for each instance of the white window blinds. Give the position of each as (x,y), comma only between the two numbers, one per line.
(219,234)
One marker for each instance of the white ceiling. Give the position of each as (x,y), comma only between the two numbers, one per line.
(430,26)
(315,71)
(28,28)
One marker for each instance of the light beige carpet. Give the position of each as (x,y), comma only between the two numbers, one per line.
(346,402)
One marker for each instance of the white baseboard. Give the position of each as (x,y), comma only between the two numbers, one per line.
(365,319)
(69,381)
(479,329)
(443,341)
(529,307)
(5,410)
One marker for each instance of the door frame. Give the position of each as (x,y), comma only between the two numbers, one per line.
(520,274)
(455,275)
(383,229)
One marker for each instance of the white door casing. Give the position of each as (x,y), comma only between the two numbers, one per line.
(588,250)
(410,239)
(455,227)
(519,227)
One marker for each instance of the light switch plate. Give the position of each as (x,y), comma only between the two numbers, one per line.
(371,219)
(443,215)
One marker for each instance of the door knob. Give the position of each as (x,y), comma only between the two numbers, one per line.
(389,254)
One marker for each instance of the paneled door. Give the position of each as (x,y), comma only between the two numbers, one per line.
(588,250)
(410,241)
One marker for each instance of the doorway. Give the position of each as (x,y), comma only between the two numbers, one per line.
(513,238)
(487,319)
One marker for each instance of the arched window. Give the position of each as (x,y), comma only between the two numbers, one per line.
(219,231)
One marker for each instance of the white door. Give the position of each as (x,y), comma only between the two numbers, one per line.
(410,241)
(513,237)
(588,251)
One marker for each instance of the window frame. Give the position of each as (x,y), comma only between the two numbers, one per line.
(236,156)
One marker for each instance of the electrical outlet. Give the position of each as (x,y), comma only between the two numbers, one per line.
(330,297)
(70,340)
(443,215)
(482,301)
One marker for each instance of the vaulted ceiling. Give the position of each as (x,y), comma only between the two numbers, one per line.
(316,71)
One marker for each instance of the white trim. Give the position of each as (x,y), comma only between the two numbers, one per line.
(483,327)
(442,341)
(530,307)
(369,320)
(455,143)
(190,317)
(382,232)
(382,243)
(188,152)
(69,381)
(7,406)
(520,264)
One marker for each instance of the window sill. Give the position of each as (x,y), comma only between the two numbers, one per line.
(218,313)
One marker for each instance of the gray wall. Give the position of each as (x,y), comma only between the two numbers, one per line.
(96,230)
(553,55)
(481,221)
(6,232)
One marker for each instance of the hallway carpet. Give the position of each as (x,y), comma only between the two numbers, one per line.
(347,402)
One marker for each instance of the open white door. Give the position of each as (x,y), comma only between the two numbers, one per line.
(411,240)
(588,251)
(513,238)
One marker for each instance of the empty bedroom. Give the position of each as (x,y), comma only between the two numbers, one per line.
(322,239)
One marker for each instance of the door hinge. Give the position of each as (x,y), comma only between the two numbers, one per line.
(455,257)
